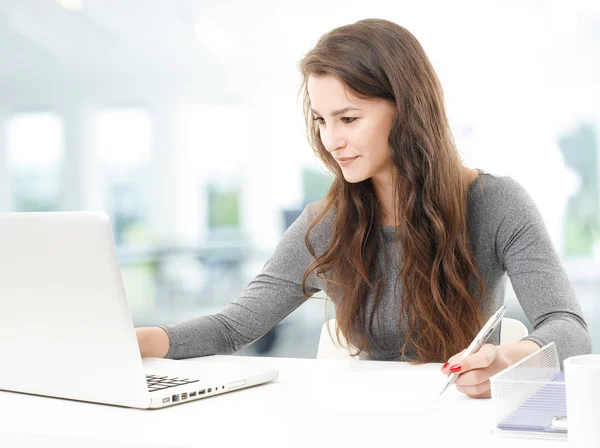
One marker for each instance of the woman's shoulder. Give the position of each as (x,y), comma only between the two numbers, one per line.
(500,190)
(503,197)
(321,231)
(313,209)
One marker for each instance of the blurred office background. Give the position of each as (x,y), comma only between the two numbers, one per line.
(180,120)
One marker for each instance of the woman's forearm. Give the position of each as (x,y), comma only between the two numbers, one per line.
(153,342)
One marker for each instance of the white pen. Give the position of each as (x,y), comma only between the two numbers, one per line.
(479,340)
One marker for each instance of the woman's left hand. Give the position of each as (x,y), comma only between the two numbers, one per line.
(475,370)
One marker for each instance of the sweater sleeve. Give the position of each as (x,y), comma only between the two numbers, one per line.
(273,294)
(527,255)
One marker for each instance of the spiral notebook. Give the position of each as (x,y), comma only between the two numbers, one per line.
(530,397)
(545,411)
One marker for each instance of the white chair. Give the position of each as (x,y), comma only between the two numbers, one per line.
(511,330)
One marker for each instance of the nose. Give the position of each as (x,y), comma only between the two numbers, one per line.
(332,140)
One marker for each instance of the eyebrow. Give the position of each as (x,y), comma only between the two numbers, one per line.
(337,112)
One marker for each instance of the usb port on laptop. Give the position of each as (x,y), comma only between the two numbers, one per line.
(192,394)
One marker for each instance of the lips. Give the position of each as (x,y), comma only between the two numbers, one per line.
(345,159)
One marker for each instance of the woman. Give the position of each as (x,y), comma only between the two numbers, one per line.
(411,246)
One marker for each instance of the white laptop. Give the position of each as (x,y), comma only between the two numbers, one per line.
(66,329)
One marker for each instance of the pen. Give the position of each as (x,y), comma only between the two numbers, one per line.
(479,340)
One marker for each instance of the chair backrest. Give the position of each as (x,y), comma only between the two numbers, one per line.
(511,330)
(327,348)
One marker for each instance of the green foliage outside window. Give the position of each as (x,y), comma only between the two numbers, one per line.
(582,222)
(223,207)
(315,184)
(36,191)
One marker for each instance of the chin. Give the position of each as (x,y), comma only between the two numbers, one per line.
(354,178)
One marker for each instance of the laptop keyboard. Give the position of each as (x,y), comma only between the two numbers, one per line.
(156,382)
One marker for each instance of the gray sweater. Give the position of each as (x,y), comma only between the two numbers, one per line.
(507,234)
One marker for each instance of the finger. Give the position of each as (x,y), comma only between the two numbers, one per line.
(479,360)
(476,377)
(479,376)
(453,360)
(486,394)
(477,391)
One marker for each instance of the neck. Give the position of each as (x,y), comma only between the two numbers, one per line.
(383,187)
(382,184)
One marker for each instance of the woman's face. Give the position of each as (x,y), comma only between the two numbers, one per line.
(352,128)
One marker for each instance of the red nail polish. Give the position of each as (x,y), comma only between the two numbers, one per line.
(444,366)
(455,368)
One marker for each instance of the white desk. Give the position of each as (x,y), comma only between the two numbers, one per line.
(312,404)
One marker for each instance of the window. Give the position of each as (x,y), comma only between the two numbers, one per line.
(35,145)
(216,149)
(582,221)
(223,207)
(316,183)
(123,145)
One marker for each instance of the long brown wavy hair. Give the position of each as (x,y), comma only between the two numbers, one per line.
(379,59)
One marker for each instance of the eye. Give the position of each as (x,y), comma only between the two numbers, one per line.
(347,120)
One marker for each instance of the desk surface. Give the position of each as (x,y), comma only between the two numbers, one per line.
(313,403)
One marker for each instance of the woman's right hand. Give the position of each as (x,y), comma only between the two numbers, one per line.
(153,342)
